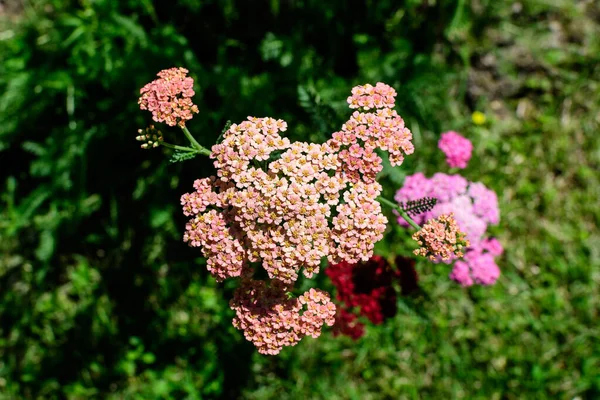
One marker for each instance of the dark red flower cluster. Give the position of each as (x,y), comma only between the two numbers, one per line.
(365,289)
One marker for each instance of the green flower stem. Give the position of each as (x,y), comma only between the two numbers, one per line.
(181,148)
(402,213)
(200,149)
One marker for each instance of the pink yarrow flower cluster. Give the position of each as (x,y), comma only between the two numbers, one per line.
(374,125)
(271,319)
(479,265)
(456,148)
(440,237)
(286,206)
(169,98)
(474,207)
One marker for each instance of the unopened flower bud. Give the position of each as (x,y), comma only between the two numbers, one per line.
(150,136)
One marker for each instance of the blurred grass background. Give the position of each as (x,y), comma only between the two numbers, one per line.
(100,298)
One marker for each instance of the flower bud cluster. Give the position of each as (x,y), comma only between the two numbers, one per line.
(150,136)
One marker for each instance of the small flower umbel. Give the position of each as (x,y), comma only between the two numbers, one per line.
(440,237)
(169,98)
(271,319)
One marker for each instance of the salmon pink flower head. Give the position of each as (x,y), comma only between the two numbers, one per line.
(271,320)
(456,148)
(440,237)
(369,96)
(286,213)
(374,124)
(169,98)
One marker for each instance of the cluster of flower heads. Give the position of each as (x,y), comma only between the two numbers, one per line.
(440,237)
(457,149)
(271,319)
(285,206)
(474,207)
(169,98)
(479,265)
(366,131)
(363,289)
(284,214)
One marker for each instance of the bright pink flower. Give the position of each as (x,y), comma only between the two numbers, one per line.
(492,246)
(485,202)
(461,273)
(477,268)
(456,148)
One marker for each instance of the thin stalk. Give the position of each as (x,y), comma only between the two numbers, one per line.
(200,149)
(181,148)
(402,213)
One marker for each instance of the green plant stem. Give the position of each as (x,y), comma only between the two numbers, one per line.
(200,149)
(402,213)
(181,148)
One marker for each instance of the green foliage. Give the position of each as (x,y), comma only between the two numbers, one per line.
(99,297)
(223,131)
(323,116)
(180,156)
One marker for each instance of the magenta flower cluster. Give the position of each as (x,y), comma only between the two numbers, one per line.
(285,206)
(474,207)
(456,148)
